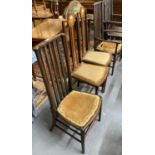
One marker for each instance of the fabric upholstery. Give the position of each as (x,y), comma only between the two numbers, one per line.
(109,47)
(79,107)
(91,74)
(99,58)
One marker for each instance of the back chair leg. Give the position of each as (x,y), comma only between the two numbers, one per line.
(83,141)
(78,83)
(96,90)
(113,65)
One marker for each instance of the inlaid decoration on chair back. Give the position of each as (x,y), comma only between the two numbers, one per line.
(53,62)
(75,29)
(82,35)
(73,51)
(98,21)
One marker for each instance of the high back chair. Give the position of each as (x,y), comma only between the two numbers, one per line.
(89,73)
(110,21)
(85,55)
(72,109)
(102,40)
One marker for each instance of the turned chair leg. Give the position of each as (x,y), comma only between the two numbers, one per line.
(83,141)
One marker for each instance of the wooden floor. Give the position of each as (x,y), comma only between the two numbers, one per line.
(105,138)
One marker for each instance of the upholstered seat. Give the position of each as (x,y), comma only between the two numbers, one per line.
(78,108)
(91,74)
(109,47)
(98,58)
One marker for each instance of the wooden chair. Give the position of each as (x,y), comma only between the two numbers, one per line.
(40,12)
(113,26)
(72,109)
(102,41)
(92,74)
(85,55)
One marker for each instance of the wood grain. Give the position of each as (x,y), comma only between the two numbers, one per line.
(47,29)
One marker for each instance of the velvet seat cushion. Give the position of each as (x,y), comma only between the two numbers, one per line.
(91,74)
(99,58)
(78,107)
(109,47)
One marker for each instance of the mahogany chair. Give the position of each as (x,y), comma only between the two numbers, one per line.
(72,109)
(89,73)
(102,41)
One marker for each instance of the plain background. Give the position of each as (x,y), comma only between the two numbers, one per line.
(138,77)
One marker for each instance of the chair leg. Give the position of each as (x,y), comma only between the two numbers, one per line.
(83,141)
(78,83)
(113,66)
(96,90)
(120,58)
(54,120)
(103,86)
(53,125)
(99,119)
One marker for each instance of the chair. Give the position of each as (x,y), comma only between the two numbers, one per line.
(102,40)
(72,109)
(112,21)
(91,74)
(40,11)
(85,55)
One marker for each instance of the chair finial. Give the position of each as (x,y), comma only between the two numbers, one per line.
(71,20)
(82,11)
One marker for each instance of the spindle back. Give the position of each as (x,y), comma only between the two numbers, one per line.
(98,22)
(53,62)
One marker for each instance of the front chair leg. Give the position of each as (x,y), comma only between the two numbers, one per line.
(100,112)
(83,141)
(53,121)
(120,58)
(53,125)
(103,86)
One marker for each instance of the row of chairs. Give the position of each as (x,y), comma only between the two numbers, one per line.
(66,57)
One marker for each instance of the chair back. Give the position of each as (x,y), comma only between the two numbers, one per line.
(78,38)
(99,17)
(53,62)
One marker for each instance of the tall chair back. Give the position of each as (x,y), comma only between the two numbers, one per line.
(53,62)
(98,22)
